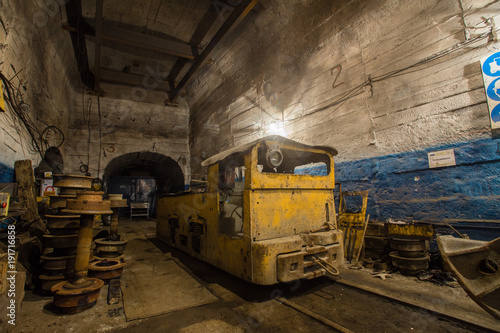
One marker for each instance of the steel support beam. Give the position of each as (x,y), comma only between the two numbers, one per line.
(98,35)
(146,81)
(75,19)
(137,39)
(236,16)
(202,30)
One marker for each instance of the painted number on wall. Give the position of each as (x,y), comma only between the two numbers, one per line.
(336,72)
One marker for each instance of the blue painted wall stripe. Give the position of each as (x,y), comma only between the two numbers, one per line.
(6,174)
(403,187)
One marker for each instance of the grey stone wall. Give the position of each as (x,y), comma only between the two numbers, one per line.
(36,55)
(370,78)
(127,125)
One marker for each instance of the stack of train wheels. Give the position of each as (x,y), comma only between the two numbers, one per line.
(110,259)
(58,259)
(60,244)
(81,292)
(411,255)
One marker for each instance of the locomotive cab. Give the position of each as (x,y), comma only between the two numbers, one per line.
(266,214)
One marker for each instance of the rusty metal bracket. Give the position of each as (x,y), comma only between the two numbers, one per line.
(475,266)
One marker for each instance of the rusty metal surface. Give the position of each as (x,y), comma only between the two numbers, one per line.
(242,223)
(61,252)
(59,218)
(411,230)
(303,264)
(353,224)
(48,281)
(475,265)
(60,241)
(88,202)
(69,191)
(59,201)
(58,262)
(410,248)
(72,181)
(109,256)
(106,269)
(82,292)
(75,300)
(408,265)
(64,226)
(246,147)
(104,245)
(114,291)
(118,203)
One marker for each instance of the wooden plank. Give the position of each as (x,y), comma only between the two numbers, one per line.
(26,189)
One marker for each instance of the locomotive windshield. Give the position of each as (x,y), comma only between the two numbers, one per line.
(293,162)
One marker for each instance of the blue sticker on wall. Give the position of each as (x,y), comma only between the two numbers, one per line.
(493,90)
(495,114)
(491,65)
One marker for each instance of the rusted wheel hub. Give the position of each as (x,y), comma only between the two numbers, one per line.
(106,269)
(47,281)
(60,241)
(81,292)
(63,224)
(58,263)
(59,201)
(110,248)
(69,298)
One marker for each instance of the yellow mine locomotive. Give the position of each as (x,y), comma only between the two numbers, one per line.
(266,213)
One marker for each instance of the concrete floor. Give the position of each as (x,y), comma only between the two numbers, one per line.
(243,307)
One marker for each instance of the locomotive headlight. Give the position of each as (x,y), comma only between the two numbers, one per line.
(274,158)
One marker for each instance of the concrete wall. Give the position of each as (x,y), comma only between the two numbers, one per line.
(33,45)
(128,124)
(382,81)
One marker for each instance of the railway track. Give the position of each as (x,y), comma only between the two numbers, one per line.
(421,319)
(334,305)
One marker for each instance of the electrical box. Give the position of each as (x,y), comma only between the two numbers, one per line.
(4,204)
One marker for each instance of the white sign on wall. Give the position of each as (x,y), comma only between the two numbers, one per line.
(490,67)
(442,158)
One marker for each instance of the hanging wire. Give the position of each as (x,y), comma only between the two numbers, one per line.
(100,136)
(86,119)
(18,114)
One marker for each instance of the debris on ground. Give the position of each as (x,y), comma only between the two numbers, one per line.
(382,276)
(439,277)
(116,312)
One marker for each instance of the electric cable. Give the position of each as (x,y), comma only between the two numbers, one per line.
(100,136)
(19,114)
(359,89)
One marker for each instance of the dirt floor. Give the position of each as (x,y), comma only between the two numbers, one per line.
(241,307)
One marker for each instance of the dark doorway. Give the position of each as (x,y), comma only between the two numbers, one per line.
(143,177)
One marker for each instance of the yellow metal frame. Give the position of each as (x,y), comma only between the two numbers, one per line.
(283,214)
(352,224)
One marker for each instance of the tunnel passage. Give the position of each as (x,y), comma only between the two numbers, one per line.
(143,176)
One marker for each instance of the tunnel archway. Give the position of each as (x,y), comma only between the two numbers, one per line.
(158,172)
